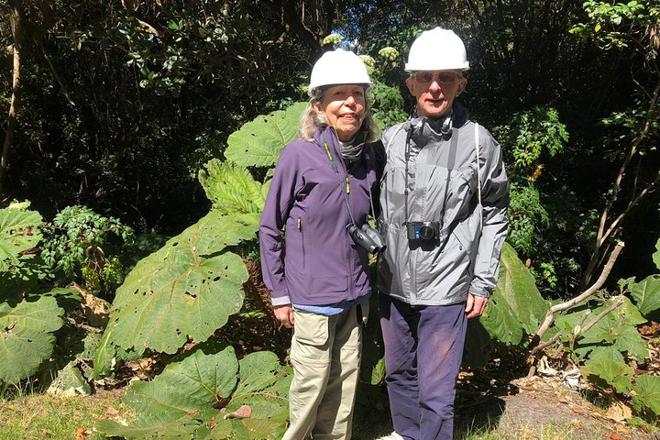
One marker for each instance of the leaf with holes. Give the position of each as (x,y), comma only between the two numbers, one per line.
(26,336)
(19,231)
(185,290)
(260,141)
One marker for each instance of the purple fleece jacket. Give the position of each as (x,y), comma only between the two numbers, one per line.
(307,255)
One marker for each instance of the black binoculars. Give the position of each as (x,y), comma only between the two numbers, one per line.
(366,237)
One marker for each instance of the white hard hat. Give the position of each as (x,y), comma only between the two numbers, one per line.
(437,49)
(338,67)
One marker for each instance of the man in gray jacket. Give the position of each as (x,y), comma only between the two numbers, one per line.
(444,196)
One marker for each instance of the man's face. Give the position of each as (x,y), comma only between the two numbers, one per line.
(435,91)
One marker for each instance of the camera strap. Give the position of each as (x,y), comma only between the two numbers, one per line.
(476,149)
(451,161)
(347,188)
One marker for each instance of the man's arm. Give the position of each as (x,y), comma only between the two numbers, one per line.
(495,201)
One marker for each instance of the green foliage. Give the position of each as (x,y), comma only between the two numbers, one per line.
(646,294)
(606,21)
(387,105)
(232,189)
(609,366)
(647,393)
(529,139)
(514,310)
(186,290)
(198,396)
(26,337)
(617,329)
(83,246)
(516,307)
(19,232)
(527,217)
(529,135)
(259,142)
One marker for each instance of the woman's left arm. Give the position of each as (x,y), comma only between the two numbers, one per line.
(276,211)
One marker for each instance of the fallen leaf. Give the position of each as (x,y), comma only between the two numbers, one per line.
(244,412)
(80,434)
(619,412)
(615,437)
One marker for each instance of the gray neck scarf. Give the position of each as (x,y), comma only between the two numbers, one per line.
(351,150)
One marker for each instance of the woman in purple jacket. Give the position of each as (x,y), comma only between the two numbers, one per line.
(315,271)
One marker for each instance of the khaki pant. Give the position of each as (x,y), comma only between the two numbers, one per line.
(325,355)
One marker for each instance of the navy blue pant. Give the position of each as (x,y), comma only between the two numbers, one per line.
(423,351)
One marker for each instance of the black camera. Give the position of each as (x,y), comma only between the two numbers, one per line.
(367,238)
(423,230)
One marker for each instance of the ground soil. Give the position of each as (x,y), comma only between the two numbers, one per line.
(538,402)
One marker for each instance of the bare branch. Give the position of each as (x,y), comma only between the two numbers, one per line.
(615,305)
(603,230)
(57,78)
(550,315)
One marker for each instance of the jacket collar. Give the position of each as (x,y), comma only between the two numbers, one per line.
(437,128)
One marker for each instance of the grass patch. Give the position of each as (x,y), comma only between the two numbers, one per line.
(41,416)
(547,431)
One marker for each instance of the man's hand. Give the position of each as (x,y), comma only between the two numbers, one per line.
(284,314)
(475,305)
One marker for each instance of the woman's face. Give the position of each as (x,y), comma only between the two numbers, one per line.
(343,106)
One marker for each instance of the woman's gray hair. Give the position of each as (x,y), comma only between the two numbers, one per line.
(312,120)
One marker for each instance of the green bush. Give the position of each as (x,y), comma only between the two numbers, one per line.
(83,246)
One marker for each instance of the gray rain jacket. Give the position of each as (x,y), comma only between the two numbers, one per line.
(442,187)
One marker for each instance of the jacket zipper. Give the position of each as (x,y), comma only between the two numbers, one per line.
(348,247)
(302,239)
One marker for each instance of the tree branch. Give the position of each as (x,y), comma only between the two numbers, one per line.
(549,317)
(602,226)
(57,78)
(17,32)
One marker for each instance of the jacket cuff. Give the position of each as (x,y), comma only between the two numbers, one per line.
(479,291)
(280,300)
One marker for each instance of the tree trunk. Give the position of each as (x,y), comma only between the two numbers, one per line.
(17,31)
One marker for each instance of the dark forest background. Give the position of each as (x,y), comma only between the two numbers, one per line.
(117,104)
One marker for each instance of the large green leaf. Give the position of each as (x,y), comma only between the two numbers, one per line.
(608,365)
(26,338)
(19,231)
(263,386)
(617,329)
(646,294)
(500,322)
(516,306)
(656,254)
(181,398)
(260,141)
(195,398)
(231,188)
(186,289)
(647,393)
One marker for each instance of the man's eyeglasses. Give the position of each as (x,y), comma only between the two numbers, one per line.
(443,78)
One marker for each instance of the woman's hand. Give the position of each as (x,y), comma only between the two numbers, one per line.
(284,314)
